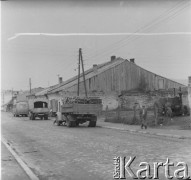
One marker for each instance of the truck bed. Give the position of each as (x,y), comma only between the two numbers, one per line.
(82,108)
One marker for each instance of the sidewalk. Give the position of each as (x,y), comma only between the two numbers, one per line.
(10,169)
(180,134)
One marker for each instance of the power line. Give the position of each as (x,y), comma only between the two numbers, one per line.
(154,22)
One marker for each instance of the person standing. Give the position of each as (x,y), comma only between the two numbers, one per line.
(143,117)
(156,111)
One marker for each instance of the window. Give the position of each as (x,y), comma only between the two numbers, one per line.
(40,104)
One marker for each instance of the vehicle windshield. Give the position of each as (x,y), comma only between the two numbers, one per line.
(40,104)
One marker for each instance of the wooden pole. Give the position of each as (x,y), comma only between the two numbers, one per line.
(3,98)
(83,73)
(78,91)
(30,84)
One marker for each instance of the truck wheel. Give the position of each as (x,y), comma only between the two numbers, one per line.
(46,117)
(93,122)
(70,122)
(32,117)
(77,123)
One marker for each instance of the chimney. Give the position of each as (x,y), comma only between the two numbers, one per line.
(60,80)
(189,80)
(113,58)
(132,60)
(95,68)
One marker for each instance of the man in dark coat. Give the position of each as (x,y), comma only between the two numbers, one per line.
(143,117)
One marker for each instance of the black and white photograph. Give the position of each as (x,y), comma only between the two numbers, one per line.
(95,89)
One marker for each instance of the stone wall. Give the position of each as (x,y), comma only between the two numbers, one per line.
(113,100)
(128,100)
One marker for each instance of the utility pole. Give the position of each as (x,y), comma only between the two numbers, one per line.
(30,84)
(3,98)
(78,91)
(83,73)
(58,78)
(80,60)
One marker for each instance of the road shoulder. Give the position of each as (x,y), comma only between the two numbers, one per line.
(10,169)
(19,168)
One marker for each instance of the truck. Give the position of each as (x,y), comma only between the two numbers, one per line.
(76,110)
(38,107)
(20,109)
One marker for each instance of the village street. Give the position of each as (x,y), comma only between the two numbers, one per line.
(58,152)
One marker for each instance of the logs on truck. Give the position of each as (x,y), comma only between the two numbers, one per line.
(73,111)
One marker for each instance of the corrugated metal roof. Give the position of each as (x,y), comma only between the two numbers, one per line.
(88,74)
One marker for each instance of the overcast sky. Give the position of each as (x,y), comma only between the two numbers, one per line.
(44,57)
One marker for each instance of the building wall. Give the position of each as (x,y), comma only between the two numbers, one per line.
(189,94)
(123,77)
(109,84)
(109,100)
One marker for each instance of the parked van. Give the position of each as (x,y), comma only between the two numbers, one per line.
(20,108)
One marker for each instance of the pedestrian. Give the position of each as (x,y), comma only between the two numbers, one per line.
(143,117)
(156,111)
(169,113)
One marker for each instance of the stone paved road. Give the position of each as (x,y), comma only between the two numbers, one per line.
(61,153)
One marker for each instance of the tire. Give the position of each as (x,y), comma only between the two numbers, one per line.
(32,117)
(70,121)
(93,122)
(46,117)
(77,123)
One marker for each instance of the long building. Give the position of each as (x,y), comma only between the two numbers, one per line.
(118,75)
(110,79)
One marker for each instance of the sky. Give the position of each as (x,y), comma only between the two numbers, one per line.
(162,43)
